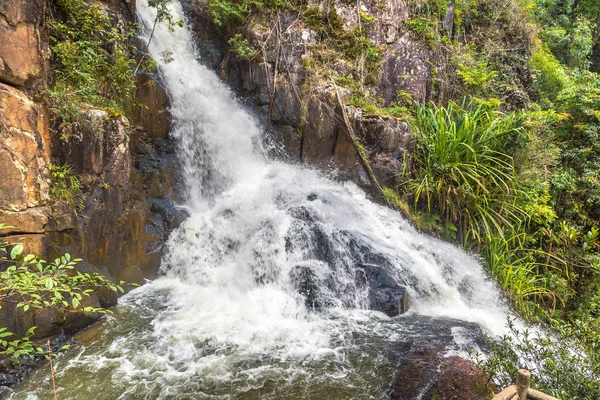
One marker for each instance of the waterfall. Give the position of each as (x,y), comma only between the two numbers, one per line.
(227,319)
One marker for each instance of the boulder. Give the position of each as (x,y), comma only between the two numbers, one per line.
(385,294)
(406,67)
(22,60)
(24,151)
(31,220)
(32,243)
(425,367)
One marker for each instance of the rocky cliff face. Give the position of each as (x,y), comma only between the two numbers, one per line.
(302,95)
(127,169)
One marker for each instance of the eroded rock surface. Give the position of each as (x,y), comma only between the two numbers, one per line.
(24,151)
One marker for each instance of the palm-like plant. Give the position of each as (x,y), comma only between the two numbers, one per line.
(461,168)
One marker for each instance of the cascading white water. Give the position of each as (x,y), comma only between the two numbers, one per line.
(227,319)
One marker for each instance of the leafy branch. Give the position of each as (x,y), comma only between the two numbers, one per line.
(32,283)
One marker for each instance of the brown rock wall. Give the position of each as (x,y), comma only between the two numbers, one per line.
(22,52)
(153,115)
(24,151)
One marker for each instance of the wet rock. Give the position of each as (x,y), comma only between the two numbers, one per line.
(306,282)
(316,287)
(461,379)
(12,374)
(154,234)
(153,115)
(170,213)
(8,379)
(426,367)
(292,141)
(385,294)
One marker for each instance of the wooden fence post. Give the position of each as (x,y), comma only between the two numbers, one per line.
(523,382)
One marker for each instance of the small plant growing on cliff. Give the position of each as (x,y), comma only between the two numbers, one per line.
(93,61)
(239,46)
(65,185)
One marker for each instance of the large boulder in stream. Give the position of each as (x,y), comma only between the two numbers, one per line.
(385,294)
(430,363)
(339,268)
(315,288)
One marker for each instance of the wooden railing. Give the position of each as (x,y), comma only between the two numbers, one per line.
(521,390)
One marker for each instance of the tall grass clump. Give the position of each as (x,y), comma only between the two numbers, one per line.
(461,168)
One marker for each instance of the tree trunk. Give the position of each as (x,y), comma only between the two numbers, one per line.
(595,57)
(572,21)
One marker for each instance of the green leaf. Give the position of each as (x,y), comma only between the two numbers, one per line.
(18,249)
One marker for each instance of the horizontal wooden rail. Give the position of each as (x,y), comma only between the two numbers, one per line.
(522,391)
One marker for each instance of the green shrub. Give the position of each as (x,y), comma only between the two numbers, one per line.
(32,283)
(240,47)
(550,77)
(233,13)
(476,75)
(561,364)
(93,62)
(425,29)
